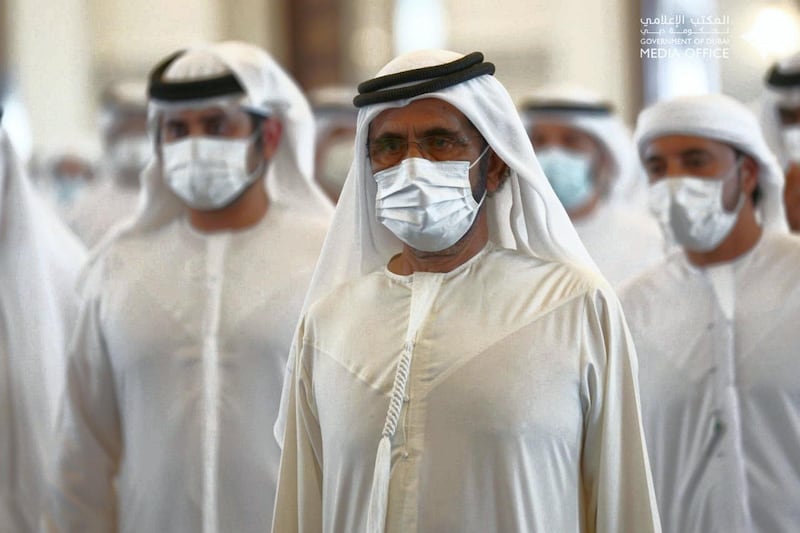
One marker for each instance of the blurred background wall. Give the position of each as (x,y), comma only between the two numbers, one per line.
(56,55)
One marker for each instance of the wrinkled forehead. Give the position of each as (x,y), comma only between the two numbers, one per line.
(418,117)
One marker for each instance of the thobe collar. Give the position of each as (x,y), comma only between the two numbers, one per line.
(409,278)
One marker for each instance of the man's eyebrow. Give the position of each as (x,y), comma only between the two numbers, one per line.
(440,131)
(694,152)
(654,159)
(385,136)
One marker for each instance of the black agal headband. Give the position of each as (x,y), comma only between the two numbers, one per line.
(599,109)
(172,91)
(421,80)
(776,78)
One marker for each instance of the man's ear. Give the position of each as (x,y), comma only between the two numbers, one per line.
(749,175)
(271,132)
(496,172)
(602,172)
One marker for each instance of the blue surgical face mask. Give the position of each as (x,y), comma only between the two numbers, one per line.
(569,173)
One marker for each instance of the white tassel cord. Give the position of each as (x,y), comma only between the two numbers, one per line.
(424,293)
(379,494)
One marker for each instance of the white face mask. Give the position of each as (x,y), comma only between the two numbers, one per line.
(690,210)
(791,143)
(427,204)
(208,172)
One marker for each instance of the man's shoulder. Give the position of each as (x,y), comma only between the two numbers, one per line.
(539,285)
(351,294)
(779,246)
(658,277)
(531,272)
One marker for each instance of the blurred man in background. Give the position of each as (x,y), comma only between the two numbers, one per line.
(780,118)
(175,373)
(335,117)
(126,150)
(715,325)
(587,155)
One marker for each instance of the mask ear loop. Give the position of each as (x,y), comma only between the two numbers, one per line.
(483,196)
(479,157)
(737,172)
(261,167)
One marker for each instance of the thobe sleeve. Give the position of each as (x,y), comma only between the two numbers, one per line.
(88,443)
(298,502)
(618,491)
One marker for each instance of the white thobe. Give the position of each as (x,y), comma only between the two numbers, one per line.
(174,380)
(520,414)
(100,207)
(720,382)
(623,242)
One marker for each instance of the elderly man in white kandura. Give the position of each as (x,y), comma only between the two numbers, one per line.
(457,327)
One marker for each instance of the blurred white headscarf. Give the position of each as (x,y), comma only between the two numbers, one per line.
(724,119)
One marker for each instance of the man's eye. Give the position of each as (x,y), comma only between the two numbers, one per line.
(175,130)
(387,146)
(438,143)
(215,127)
(654,169)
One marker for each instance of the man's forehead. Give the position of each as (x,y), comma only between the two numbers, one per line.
(204,111)
(668,145)
(419,115)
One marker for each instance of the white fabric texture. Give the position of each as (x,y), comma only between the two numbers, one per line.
(175,377)
(101,207)
(718,372)
(336,410)
(620,234)
(176,369)
(623,242)
(39,260)
(721,118)
(525,421)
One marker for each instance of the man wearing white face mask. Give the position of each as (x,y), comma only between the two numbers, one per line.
(461,366)
(126,150)
(780,118)
(715,325)
(176,369)
(586,153)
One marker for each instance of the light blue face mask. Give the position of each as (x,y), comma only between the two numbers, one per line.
(67,190)
(569,173)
